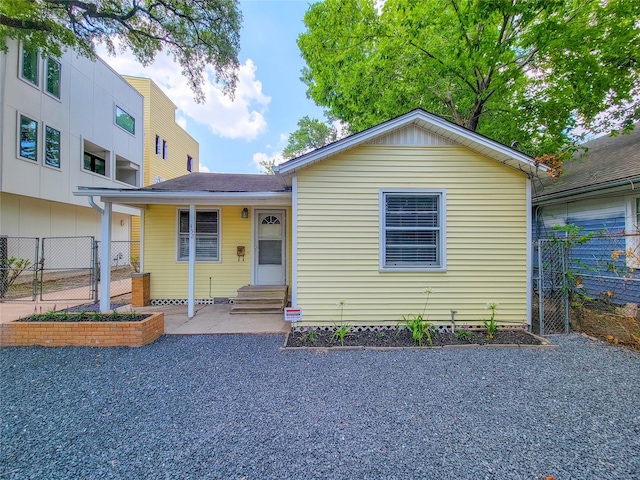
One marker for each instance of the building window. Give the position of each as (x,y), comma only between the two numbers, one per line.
(189,163)
(29,67)
(53,77)
(52,147)
(165,150)
(206,235)
(95,164)
(412,230)
(158,145)
(126,121)
(28,141)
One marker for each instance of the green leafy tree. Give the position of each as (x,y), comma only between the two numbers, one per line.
(196,33)
(514,70)
(311,134)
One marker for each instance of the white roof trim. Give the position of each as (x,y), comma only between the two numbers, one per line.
(147,197)
(433,123)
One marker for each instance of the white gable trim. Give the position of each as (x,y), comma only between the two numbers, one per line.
(412,136)
(425,120)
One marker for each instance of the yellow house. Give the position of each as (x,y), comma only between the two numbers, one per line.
(368,222)
(169,151)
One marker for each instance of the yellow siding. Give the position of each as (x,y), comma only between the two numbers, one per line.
(135,228)
(338,237)
(169,278)
(159,119)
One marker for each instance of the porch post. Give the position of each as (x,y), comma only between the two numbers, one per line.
(105,258)
(192,259)
(294,241)
(529,254)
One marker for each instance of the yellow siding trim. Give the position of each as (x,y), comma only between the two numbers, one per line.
(338,237)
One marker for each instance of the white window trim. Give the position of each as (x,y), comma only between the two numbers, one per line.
(632,229)
(39,141)
(186,260)
(44,81)
(115,117)
(38,74)
(442,217)
(44,148)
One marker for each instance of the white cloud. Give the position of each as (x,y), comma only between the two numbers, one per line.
(203,168)
(265,157)
(241,118)
(182,121)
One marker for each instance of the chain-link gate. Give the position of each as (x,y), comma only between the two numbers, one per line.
(18,267)
(67,269)
(550,306)
(124,260)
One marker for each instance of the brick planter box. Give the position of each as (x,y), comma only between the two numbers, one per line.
(82,334)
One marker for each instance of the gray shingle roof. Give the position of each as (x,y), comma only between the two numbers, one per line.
(607,161)
(219,182)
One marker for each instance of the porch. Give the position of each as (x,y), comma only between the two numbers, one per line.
(215,319)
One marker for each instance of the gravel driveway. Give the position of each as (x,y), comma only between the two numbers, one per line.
(235,407)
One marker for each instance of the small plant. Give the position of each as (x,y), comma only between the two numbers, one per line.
(419,328)
(491,325)
(464,334)
(132,315)
(114,315)
(311,335)
(97,316)
(341,333)
(10,270)
(380,335)
(417,324)
(135,263)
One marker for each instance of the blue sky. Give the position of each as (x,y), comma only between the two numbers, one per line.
(270,98)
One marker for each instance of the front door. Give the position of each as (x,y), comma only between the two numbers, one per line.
(270,233)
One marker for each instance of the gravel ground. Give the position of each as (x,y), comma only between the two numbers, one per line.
(235,407)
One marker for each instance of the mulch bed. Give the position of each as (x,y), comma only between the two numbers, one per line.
(402,338)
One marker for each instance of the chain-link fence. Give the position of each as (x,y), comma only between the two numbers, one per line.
(550,299)
(62,268)
(67,268)
(18,266)
(580,269)
(124,260)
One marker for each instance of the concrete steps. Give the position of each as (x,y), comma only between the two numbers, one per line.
(260,299)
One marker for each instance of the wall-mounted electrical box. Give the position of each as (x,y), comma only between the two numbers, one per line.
(240,252)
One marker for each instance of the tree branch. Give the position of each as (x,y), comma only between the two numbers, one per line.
(24,24)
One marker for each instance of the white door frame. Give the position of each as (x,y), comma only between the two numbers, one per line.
(254,240)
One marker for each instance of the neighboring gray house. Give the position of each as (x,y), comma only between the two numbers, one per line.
(599,191)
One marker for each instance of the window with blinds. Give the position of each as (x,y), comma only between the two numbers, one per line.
(206,235)
(412,230)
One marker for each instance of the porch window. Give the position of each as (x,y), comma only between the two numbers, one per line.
(412,230)
(207,235)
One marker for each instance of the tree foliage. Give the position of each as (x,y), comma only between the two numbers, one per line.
(311,134)
(196,33)
(514,70)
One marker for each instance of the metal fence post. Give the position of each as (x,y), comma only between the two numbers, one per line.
(541,286)
(95,270)
(565,284)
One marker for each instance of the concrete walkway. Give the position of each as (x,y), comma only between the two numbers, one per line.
(215,319)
